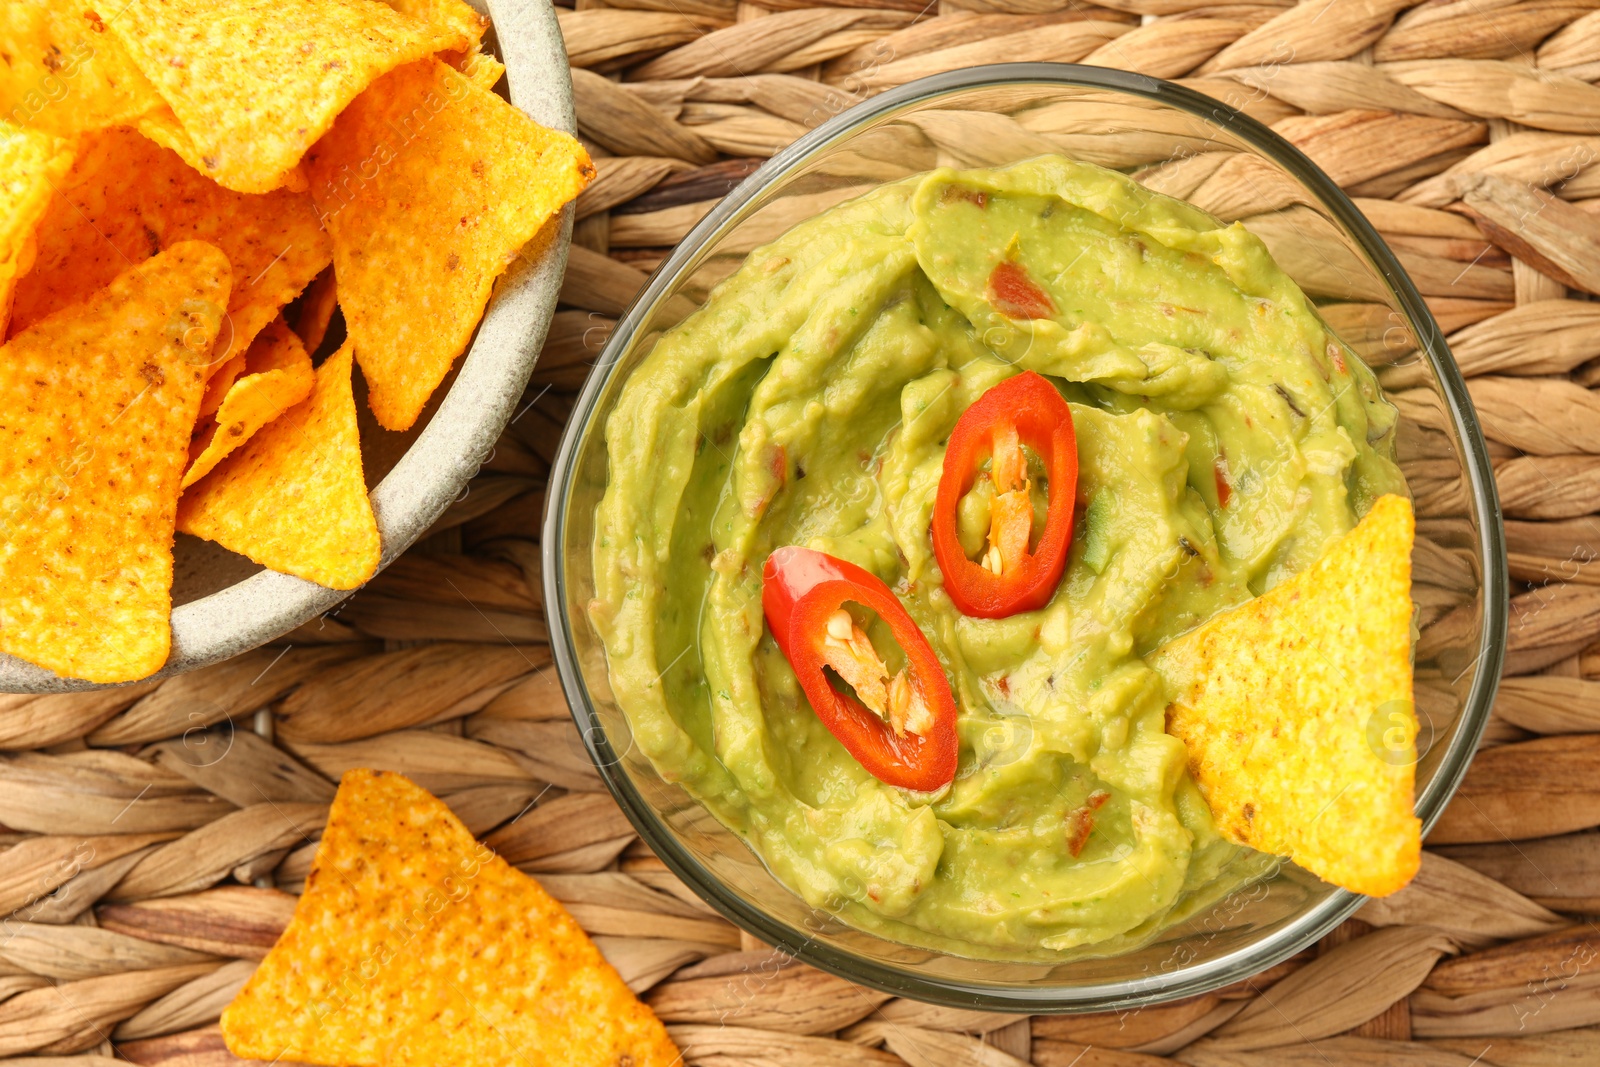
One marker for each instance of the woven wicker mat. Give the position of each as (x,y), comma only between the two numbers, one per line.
(145,874)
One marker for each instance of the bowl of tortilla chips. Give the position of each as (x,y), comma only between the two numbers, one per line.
(1326,716)
(276,273)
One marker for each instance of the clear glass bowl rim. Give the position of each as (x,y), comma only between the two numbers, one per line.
(1031,998)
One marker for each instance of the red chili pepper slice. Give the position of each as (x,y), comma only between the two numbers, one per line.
(1011,578)
(907,736)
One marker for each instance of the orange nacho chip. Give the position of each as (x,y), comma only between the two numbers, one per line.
(459,182)
(317,305)
(223,375)
(1296,709)
(277,376)
(96,404)
(31,165)
(454,20)
(252,84)
(484,70)
(293,498)
(126,199)
(415,944)
(63,74)
(472,61)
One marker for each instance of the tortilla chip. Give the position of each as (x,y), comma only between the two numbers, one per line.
(415,944)
(125,199)
(62,73)
(278,376)
(460,180)
(293,498)
(223,376)
(96,404)
(446,19)
(317,305)
(254,83)
(484,70)
(1296,708)
(31,165)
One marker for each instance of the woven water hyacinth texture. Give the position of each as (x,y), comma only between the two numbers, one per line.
(153,838)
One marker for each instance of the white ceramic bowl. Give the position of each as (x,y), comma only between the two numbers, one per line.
(223,604)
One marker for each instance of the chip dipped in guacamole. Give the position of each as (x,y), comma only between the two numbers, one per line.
(854,449)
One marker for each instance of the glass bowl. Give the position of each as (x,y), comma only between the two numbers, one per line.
(1195,148)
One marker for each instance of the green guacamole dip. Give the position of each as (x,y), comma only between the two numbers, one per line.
(1225,437)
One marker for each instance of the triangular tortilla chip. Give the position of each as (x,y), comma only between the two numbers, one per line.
(294,498)
(31,165)
(96,404)
(452,19)
(223,376)
(277,376)
(460,180)
(254,83)
(484,70)
(317,305)
(63,73)
(415,944)
(1296,709)
(126,198)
